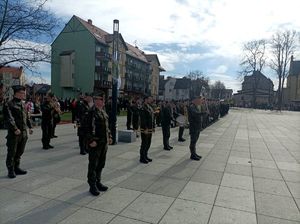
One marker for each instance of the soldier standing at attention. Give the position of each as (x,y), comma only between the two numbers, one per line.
(98,139)
(166,118)
(83,110)
(47,121)
(194,116)
(18,120)
(147,127)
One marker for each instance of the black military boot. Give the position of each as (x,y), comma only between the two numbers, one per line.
(143,160)
(93,190)
(19,171)
(101,187)
(11,173)
(195,157)
(148,159)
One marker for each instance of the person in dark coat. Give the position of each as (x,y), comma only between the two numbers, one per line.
(17,120)
(98,137)
(135,117)
(195,111)
(166,119)
(129,115)
(147,128)
(84,109)
(47,120)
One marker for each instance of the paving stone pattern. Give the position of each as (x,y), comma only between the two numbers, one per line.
(249,173)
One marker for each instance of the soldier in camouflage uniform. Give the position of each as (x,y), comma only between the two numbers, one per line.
(147,128)
(47,121)
(18,120)
(195,112)
(98,138)
(84,108)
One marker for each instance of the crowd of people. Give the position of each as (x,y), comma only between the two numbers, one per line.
(91,116)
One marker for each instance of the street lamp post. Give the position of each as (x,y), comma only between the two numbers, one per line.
(115,76)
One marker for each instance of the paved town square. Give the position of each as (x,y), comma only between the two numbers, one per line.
(249,173)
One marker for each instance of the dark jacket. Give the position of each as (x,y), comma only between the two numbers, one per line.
(194,115)
(47,113)
(147,118)
(98,127)
(16,116)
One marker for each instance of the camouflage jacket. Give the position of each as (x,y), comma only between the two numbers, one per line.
(16,116)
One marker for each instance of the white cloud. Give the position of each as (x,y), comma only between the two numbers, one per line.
(222,24)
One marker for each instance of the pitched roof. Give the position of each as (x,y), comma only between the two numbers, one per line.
(183,83)
(294,68)
(98,33)
(136,52)
(16,72)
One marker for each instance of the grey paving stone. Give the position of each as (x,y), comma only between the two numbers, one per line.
(187,212)
(158,169)
(124,220)
(166,186)
(289,166)
(180,172)
(261,156)
(266,173)
(207,176)
(57,188)
(229,216)
(294,188)
(199,192)
(271,220)
(214,166)
(32,183)
(271,187)
(148,207)
(239,161)
(236,199)
(277,206)
(264,163)
(14,208)
(240,154)
(85,215)
(237,181)
(114,201)
(51,212)
(139,182)
(114,177)
(238,169)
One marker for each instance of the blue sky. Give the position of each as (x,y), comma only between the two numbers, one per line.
(187,35)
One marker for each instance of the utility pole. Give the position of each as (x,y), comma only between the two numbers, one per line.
(115,76)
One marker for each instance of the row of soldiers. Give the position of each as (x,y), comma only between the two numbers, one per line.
(169,114)
(93,129)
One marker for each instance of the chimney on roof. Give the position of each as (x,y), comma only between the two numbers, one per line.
(90,22)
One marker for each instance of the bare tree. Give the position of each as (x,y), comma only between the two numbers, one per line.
(254,59)
(217,90)
(283,45)
(23,24)
(199,84)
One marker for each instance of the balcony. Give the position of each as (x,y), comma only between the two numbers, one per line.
(103,55)
(102,70)
(102,84)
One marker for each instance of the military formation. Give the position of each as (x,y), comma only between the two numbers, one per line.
(92,121)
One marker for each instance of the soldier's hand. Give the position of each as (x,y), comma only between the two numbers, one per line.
(110,141)
(93,144)
(30,131)
(17,132)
